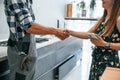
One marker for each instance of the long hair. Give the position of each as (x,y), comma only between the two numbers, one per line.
(115,12)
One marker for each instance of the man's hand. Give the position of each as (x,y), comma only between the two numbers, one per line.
(61,34)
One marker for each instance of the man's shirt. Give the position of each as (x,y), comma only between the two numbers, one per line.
(19,16)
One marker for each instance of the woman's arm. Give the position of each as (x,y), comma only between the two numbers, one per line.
(101,42)
(83,35)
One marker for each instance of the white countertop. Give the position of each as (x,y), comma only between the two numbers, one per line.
(46,43)
(3,49)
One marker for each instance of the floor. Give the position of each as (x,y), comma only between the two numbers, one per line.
(81,71)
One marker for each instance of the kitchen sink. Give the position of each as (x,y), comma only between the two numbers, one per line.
(3,43)
(39,40)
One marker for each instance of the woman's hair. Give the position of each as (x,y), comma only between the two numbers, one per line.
(115,12)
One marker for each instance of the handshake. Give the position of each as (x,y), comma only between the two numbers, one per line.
(62,33)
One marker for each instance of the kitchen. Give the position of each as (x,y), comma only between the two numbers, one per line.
(56,58)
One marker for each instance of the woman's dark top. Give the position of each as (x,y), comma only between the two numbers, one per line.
(103,57)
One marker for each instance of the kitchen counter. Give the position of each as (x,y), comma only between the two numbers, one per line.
(3,53)
(3,49)
(54,57)
(50,41)
(57,58)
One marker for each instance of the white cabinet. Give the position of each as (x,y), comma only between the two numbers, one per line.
(58,59)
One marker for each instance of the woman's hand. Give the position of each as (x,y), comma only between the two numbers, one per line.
(61,34)
(98,42)
(68,32)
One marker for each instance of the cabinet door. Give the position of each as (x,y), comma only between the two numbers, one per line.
(4,70)
(67,67)
(48,76)
(45,64)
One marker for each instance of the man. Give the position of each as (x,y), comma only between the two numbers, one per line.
(21,42)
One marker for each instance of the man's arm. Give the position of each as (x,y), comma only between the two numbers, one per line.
(40,29)
(23,16)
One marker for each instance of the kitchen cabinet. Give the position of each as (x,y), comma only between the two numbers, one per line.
(55,59)
(4,68)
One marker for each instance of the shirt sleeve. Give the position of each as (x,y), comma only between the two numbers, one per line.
(21,12)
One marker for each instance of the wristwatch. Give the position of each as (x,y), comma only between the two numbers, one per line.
(107,45)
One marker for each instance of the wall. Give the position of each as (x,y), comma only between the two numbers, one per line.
(4,32)
(48,12)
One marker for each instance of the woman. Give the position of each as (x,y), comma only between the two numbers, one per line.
(107,30)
